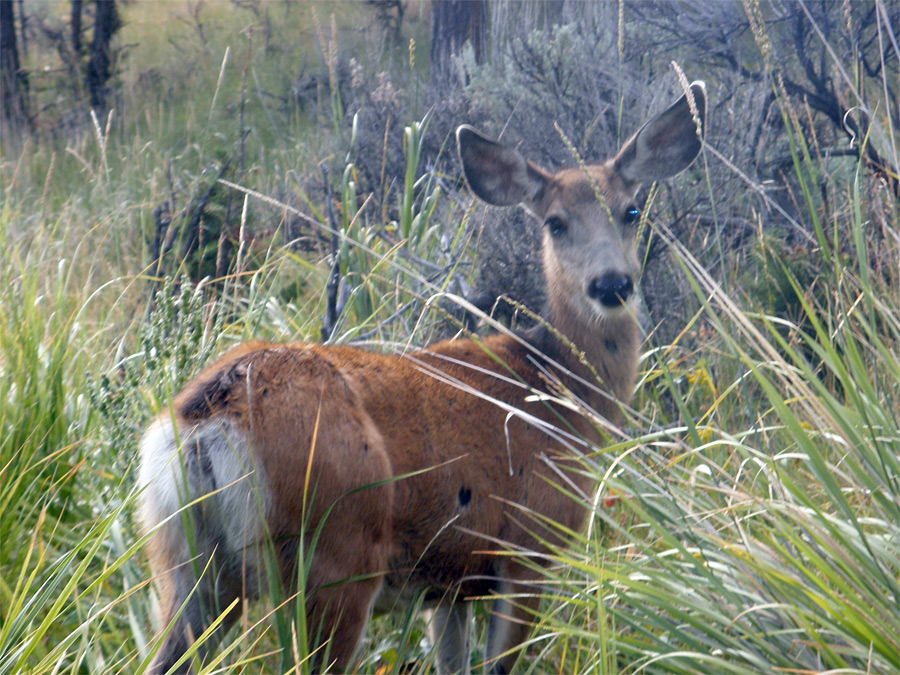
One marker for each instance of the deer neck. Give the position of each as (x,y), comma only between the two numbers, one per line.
(601,353)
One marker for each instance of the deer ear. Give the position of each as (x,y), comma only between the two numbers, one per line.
(667,144)
(497,174)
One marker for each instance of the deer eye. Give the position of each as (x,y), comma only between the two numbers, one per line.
(555,226)
(632,215)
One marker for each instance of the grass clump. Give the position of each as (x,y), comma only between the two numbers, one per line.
(759,531)
(748,519)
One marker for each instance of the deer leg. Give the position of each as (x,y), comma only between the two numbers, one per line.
(345,575)
(336,618)
(449,630)
(201,606)
(204,553)
(510,622)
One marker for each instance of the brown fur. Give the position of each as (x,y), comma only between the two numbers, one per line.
(414,464)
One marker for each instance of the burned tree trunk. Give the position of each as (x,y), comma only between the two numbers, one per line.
(99,66)
(13,80)
(453,22)
(75,23)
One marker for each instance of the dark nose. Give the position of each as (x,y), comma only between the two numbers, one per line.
(611,290)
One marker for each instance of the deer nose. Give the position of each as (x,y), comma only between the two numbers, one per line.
(611,290)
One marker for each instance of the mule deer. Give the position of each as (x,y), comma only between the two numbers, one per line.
(415,462)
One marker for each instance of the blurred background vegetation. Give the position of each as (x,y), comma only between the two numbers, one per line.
(176,177)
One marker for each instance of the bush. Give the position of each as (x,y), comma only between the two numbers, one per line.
(746,520)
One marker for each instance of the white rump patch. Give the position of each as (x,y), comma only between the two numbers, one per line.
(211,458)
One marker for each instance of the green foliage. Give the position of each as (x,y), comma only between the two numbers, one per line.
(748,520)
(178,334)
(40,421)
(756,527)
(65,564)
(561,74)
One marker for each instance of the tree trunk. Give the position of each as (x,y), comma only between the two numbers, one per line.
(13,80)
(23,30)
(106,23)
(75,24)
(453,22)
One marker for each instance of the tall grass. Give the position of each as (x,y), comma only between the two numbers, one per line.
(749,519)
(64,555)
(758,528)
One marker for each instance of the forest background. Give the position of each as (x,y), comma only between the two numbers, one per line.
(177,177)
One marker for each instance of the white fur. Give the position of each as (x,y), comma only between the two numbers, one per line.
(450,629)
(499,626)
(239,498)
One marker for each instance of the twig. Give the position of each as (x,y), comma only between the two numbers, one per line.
(329,321)
(381,324)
